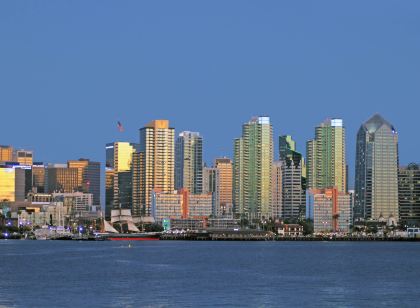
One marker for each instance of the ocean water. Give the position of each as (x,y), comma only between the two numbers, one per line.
(209,274)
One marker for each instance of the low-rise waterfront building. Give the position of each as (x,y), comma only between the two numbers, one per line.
(290,230)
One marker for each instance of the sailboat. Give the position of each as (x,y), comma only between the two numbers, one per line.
(127,229)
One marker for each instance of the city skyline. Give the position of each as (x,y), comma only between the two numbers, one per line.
(350,155)
(209,153)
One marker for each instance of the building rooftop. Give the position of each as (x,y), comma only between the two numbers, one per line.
(376,122)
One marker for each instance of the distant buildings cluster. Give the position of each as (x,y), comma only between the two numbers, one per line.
(163,176)
(34,193)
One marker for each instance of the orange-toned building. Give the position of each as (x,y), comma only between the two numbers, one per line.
(180,204)
(157,143)
(331,210)
(225,170)
(6,153)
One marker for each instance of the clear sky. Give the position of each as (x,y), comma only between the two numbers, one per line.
(69,70)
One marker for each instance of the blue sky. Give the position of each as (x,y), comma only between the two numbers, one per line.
(69,70)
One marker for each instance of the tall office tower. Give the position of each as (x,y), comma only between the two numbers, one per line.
(211,185)
(60,178)
(38,177)
(376,181)
(326,156)
(293,180)
(189,162)
(157,143)
(6,153)
(225,170)
(294,190)
(89,177)
(409,195)
(277,189)
(118,176)
(12,184)
(23,157)
(253,160)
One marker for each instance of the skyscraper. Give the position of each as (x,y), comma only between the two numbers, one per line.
(138,177)
(89,177)
(189,162)
(225,170)
(409,194)
(293,181)
(211,184)
(253,160)
(237,185)
(60,178)
(326,156)
(157,143)
(376,182)
(118,176)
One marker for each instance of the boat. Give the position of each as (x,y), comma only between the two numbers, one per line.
(143,236)
(128,231)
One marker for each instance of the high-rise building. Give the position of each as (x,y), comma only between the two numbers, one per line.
(189,162)
(6,153)
(294,190)
(326,156)
(60,178)
(376,181)
(23,157)
(409,195)
(293,180)
(12,184)
(225,172)
(211,180)
(237,185)
(88,177)
(38,177)
(253,160)
(118,176)
(158,145)
(137,184)
(277,189)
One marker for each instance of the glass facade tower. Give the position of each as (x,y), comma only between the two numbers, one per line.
(326,156)
(376,182)
(253,158)
(189,162)
(118,176)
